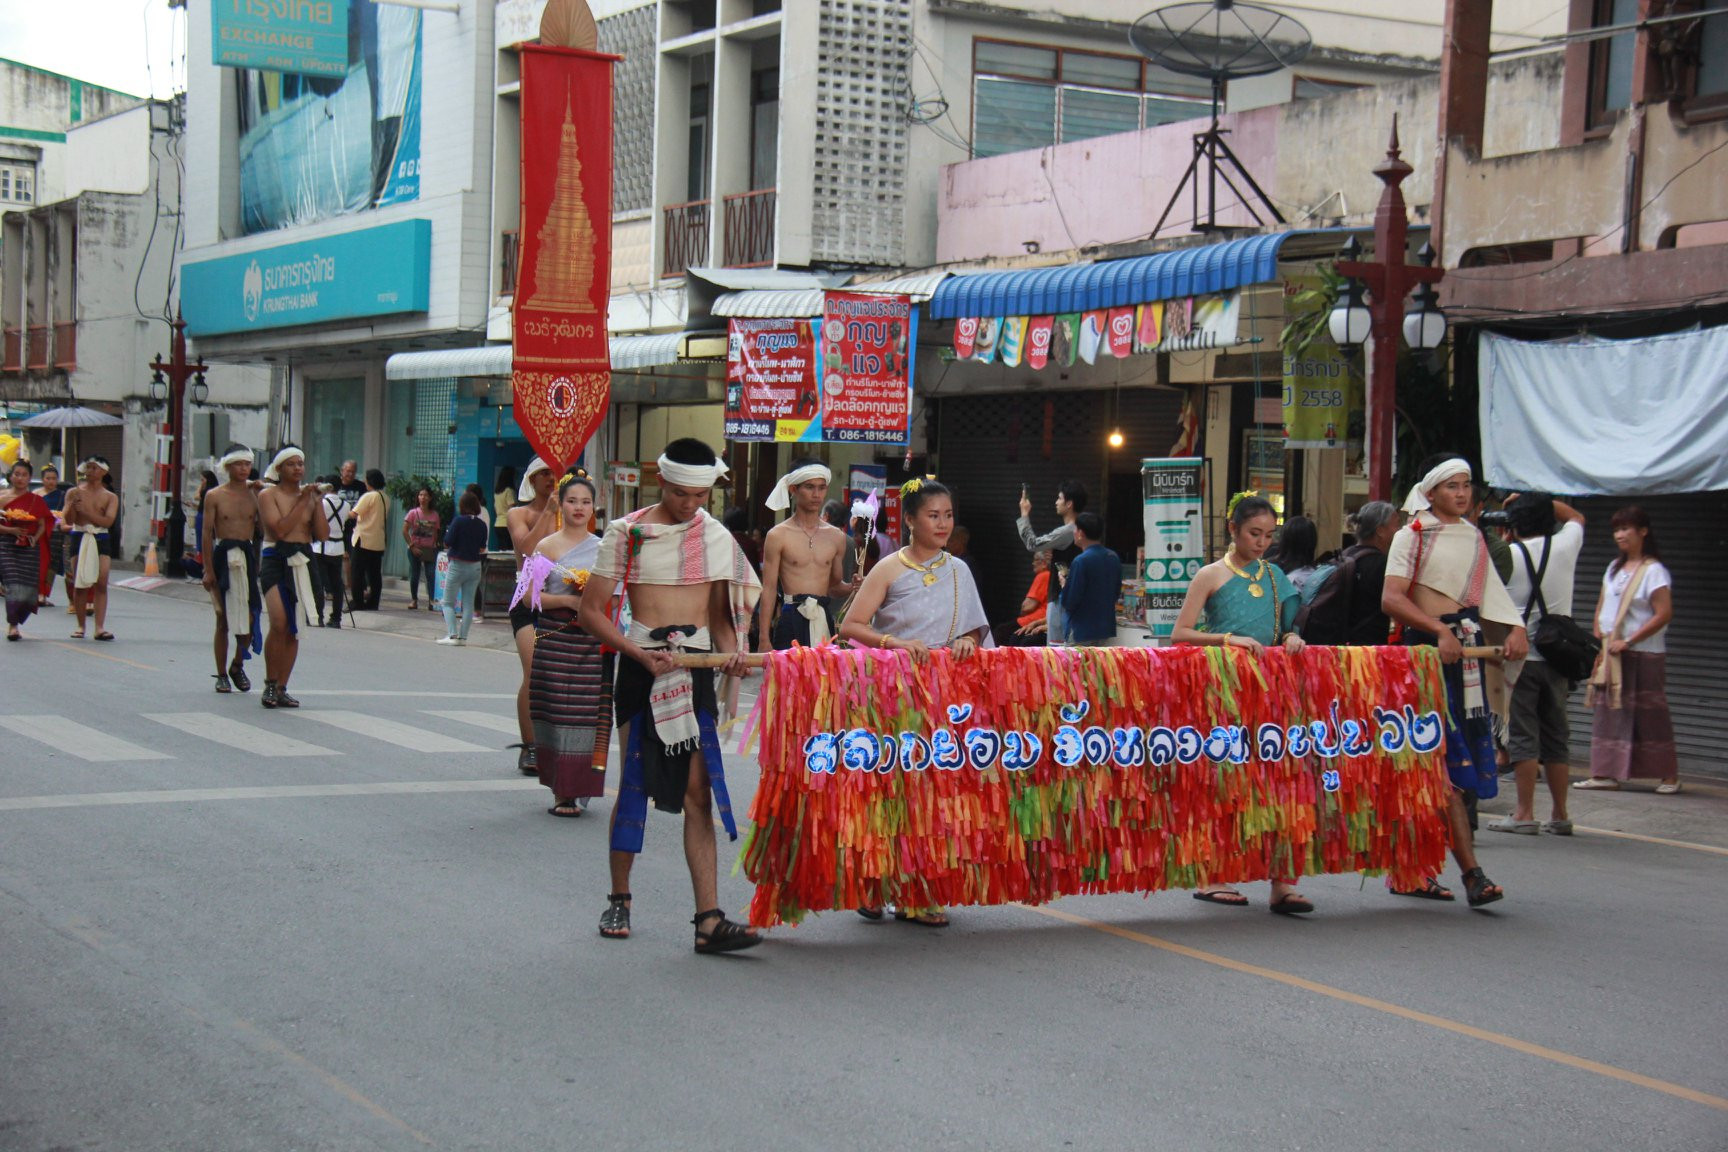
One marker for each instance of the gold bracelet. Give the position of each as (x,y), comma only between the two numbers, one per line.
(882,642)
(1225,642)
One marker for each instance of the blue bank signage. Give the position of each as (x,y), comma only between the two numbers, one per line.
(309,37)
(373,272)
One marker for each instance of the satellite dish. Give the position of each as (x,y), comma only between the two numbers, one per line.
(1220,41)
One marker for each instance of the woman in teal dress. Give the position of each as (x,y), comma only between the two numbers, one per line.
(1244,602)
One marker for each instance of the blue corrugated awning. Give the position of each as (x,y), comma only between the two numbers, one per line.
(1112,283)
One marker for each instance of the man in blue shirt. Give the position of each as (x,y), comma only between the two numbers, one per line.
(1093,583)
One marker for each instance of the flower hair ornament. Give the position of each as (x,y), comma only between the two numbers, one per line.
(913,485)
(1230,508)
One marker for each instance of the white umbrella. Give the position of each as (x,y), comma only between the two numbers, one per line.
(72,416)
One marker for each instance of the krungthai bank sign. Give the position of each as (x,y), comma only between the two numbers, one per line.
(372,272)
(309,37)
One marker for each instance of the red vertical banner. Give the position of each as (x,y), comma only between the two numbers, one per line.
(561,368)
(867,359)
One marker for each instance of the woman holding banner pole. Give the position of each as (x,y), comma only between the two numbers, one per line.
(1241,601)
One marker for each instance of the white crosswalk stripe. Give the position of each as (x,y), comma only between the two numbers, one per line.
(490,721)
(248,739)
(79,740)
(389,731)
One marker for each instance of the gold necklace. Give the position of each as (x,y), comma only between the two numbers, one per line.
(929,570)
(1254,588)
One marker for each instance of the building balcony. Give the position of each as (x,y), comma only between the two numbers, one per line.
(686,237)
(36,356)
(509,262)
(12,351)
(749,220)
(66,346)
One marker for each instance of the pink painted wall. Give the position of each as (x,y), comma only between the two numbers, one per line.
(1108,190)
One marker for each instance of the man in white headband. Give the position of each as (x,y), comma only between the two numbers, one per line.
(534,518)
(677,565)
(803,562)
(89,514)
(231,569)
(291,522)
(1441,588)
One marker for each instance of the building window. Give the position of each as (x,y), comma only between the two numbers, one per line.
(764,127)
(697,186)
(1025,96)
(1710,85)
(18,183)
(1611,62)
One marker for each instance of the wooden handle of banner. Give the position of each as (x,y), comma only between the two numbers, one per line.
(757,659)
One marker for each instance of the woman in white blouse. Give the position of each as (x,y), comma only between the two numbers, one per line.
(1633,734)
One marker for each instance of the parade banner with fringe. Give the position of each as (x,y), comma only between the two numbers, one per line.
(1024,774)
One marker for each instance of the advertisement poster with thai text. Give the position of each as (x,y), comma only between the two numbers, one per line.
(866,369)
(1175,546)
(771,381)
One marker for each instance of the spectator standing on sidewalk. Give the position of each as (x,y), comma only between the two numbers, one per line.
(1093,583)
(422,528)
(1633,734)
(1547,537)
(368,561)
(465,541)
(330,552)
(1070,502)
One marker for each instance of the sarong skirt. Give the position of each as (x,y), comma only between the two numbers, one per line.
(570,703)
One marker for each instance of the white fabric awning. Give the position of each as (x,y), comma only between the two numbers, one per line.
(799,303)
(1597,417)
(629,353)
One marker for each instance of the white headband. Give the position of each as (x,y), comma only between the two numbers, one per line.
(96,460)
(781,498)
(236,456)
(525,490)
(1417,501)
(282,457)
(691,475)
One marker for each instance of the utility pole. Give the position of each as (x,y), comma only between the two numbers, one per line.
(175,373)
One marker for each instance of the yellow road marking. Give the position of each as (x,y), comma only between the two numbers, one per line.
(85,650)
(1711,848)
(1398,1010)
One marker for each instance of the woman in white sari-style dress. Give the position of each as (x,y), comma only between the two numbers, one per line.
(917,599)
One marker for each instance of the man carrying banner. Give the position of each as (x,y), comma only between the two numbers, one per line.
(1440,587)
(534,518)
(691,590)
(802,562)
(231,566)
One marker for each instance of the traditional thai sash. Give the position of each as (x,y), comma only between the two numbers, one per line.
(672,699)
(300,573)
(1609,672)
(696,551)
(235,599)
(88,569)
(813,610)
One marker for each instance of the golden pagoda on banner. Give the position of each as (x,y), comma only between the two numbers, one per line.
(564,265)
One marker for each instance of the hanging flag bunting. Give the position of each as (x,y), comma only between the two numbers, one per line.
(1038,341)
(1092,334)
(1065,338)
(1149,318)
(560,369)
(965,337)
(984,343)
(1024,774)
(1201,322)
(1013,340)
(1121,332)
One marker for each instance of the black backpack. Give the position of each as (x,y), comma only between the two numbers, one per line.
(1324,617)
(1569,649)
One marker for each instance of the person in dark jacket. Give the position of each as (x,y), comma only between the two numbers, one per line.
(1345,609)
(1092,586)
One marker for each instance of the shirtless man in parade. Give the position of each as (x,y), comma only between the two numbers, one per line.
(89,514)
(292,520)
(534,518)
(802,562)
(667,714)
(230,525)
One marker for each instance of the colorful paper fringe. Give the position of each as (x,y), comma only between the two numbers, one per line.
(934,837)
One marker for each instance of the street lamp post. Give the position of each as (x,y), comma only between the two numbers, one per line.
(1387,278)
(177,372)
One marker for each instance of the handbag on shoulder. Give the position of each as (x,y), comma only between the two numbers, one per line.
(1569,649)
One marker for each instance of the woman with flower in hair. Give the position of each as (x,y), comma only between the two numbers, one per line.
(570,682)
(917,599)
(1242,601)
(24,524)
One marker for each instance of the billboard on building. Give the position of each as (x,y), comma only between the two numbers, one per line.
(1175,550)
(771,381)
(305,37)
(317,147)
(866,368)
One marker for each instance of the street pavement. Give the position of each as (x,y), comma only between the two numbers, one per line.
(354,927)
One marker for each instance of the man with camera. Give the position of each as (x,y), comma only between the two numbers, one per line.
(1546,537)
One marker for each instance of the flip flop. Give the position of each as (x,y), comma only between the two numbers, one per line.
(78,635)
(1292,905)
(871,913)
(104,635)
(1429,891)
(1227,899)
(566,810)
(922,919)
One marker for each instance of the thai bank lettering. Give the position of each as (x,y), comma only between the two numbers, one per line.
(302,11)
(293,285)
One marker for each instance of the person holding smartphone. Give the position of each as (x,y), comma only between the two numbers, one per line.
(1070,502)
